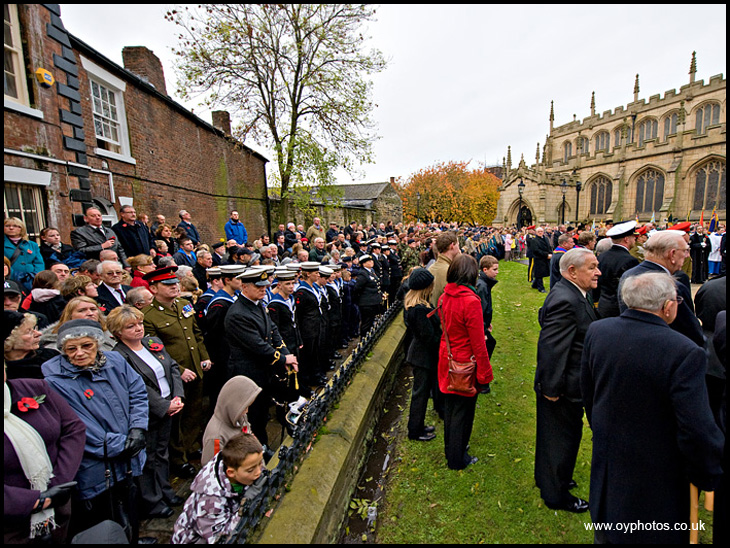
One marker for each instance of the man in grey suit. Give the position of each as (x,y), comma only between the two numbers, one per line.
(564,319)
(94,237)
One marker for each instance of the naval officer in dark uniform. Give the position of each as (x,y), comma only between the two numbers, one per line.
(368,294)
(257,350)
(311,321)
(613,263)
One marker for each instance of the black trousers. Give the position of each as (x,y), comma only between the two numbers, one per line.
(458,422)
(367,318)
(559,431)
(423,382)
(154,484)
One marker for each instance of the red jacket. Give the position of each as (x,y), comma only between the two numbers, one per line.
(461,317)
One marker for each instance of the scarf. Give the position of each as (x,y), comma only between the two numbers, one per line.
(37,467)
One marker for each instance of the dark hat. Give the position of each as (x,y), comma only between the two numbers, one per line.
(75,329)
(165,275)
(684,227)
(11,320)
(10,287)
(256,275)
(420,278)
(217,245)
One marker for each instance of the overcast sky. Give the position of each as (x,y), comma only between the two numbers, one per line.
(465,81)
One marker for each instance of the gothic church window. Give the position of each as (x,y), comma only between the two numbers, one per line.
(567,151)
(708,115)
(601,190)
(710,187)
(670,125)
(647,130)
(649,191)
(603,141)
(583,145)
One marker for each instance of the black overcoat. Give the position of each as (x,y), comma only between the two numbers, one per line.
(653,431)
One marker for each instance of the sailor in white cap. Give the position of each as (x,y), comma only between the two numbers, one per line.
(367,294)
(311,324)
(612,264)
(216,340)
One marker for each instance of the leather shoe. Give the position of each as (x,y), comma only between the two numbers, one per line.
(572,484)
(575,505)
(337,356)
(429,429)
(186,470)
(147,540)
(162,511)
(175,501)
(426,436)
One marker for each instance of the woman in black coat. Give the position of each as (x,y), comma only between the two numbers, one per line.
(422,352)
(52,249)
(161,376)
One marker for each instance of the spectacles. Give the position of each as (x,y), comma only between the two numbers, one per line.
(86,347)
(679,300)
(115,272)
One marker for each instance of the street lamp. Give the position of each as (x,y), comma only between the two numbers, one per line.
(563,189)
(578,187)
(418,207)
(520,189)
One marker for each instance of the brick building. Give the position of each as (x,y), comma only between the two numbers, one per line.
(80,129)
(664,157)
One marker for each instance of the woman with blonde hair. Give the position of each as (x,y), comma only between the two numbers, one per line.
(24,255)
(79,308)
(161,376)
(425,329)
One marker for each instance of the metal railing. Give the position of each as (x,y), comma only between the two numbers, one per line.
(260,496)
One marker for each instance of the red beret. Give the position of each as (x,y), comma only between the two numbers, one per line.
(531,227)
(641,230)
(681,226)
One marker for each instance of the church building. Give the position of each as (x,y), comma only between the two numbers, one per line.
(661,158)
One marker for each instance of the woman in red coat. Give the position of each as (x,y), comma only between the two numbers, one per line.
(462,322)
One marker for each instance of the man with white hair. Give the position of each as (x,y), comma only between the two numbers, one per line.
(564,320)
(111,291)
(665,251)
(653,431)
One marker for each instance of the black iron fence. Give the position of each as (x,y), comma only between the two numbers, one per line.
(270,485)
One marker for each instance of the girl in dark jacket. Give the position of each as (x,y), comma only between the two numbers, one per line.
(422,352)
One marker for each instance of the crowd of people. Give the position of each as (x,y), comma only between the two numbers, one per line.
(138,350)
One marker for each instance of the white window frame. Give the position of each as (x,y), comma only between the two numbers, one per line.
(16,53)
(117,86)
(36,183)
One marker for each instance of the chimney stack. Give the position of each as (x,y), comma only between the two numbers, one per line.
(222,121)
(145,64)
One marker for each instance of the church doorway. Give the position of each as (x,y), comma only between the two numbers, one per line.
(524,217)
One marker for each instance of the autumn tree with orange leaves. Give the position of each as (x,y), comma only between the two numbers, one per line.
(451,192)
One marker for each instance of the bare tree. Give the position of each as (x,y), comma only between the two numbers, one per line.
(294,75)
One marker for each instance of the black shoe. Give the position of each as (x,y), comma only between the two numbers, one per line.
(162,511)
(542,291)
(186,470)
(195,455)
(147,540)
(426,436)
(471,460)
(572,484)
(575,505)
(175,501)
(429,429)
(337,356)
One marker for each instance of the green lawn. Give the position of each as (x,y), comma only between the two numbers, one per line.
(495,500)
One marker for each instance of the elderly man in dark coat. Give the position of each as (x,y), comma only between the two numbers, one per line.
(564,319)
(653,431)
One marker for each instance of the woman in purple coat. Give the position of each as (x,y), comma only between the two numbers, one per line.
(44,440)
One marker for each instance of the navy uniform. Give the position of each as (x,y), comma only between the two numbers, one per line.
(178,330)
(311,324)
(367,294)
(612,264)
(257,350)
(216,339)
(283,313)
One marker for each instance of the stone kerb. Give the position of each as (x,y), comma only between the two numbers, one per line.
(315,507)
